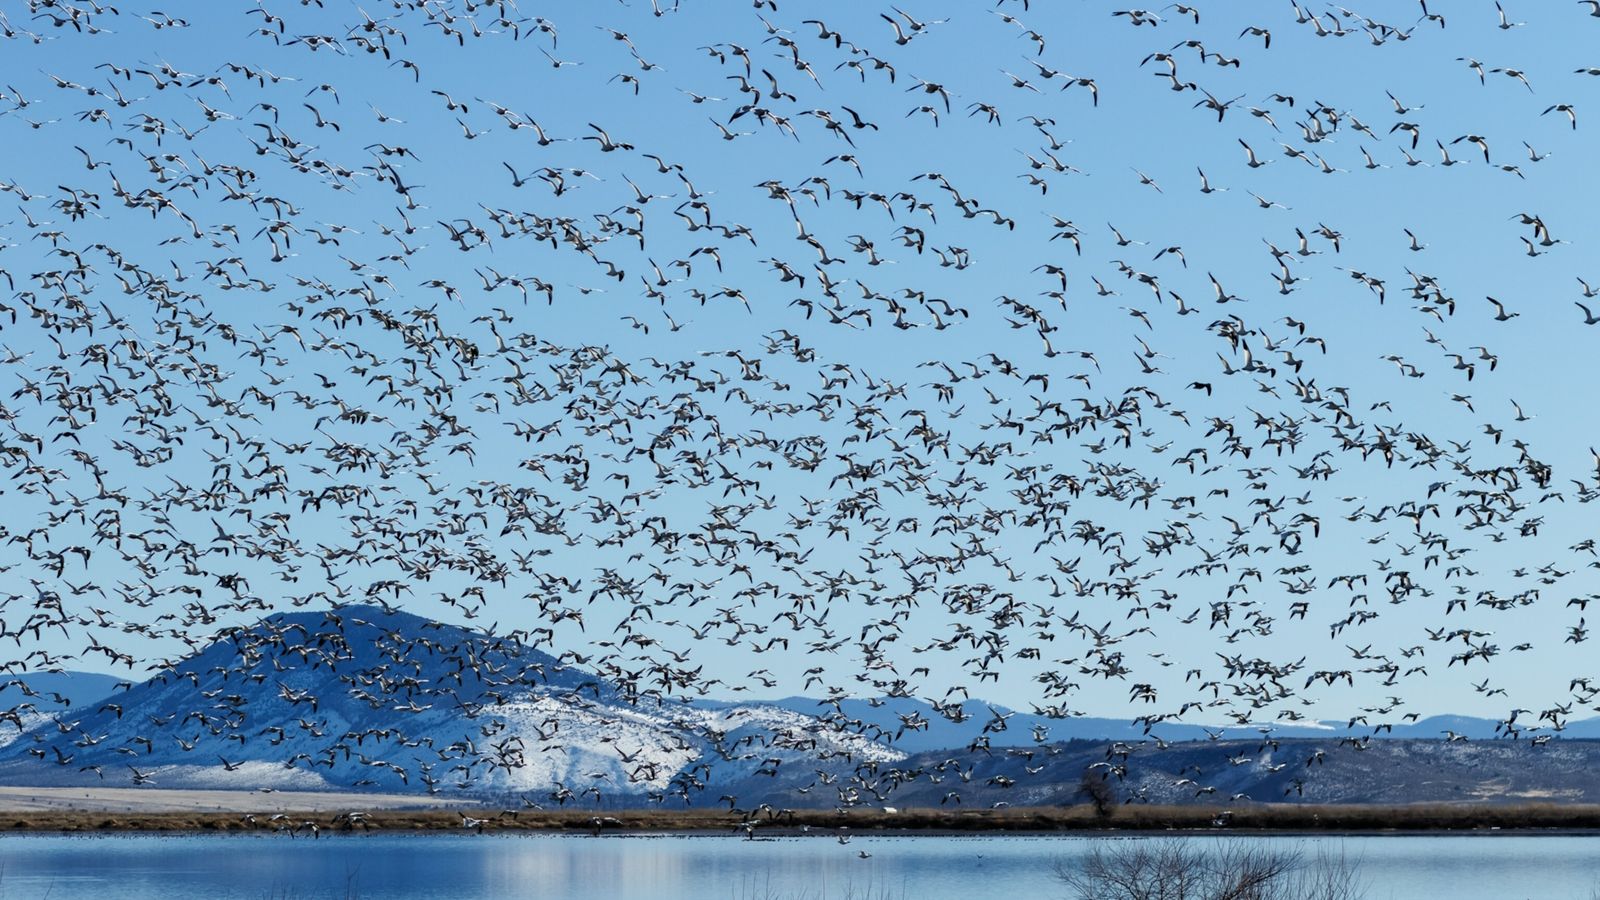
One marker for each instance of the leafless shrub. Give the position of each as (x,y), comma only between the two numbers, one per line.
(1100,793)
(1179,869)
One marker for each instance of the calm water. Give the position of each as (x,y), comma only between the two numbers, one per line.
(705,868)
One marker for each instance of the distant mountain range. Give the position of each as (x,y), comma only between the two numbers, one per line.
(362,697)
(883,715)
(56,690)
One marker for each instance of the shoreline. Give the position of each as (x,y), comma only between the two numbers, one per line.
(1263,819)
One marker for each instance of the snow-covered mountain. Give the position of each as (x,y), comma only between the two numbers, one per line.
(367,697)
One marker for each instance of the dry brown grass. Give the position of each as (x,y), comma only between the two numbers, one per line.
(1246,818)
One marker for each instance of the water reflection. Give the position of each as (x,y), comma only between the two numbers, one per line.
(685,867)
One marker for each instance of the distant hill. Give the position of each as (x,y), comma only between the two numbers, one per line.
(38,697)
(47,689)
(1228,773)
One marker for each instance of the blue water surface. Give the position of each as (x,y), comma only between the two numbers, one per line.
(698,867)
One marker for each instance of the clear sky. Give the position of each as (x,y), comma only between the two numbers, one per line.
(254,291)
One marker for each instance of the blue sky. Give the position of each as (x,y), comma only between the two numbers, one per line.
(1464,214)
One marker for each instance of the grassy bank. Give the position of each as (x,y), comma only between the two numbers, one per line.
(1246,818)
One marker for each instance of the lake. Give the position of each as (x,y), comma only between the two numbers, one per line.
(701,867)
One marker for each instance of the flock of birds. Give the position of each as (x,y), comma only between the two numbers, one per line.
(310,319)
